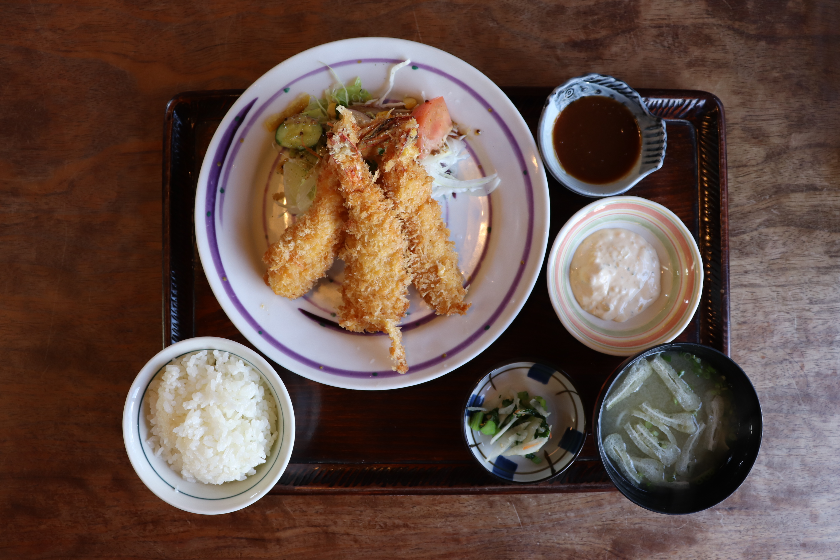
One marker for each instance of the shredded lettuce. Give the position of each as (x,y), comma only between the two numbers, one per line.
(300,182)
(339,94)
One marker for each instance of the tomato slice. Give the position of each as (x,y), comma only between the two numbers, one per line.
(433,122)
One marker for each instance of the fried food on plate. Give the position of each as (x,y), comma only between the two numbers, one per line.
(307,249)
(375,251)
(434,261)
(384,225)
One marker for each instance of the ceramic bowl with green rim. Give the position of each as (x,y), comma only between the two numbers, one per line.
(566,416)
(169,485)
(681,276)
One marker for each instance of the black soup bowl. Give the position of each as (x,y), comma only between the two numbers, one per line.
(743,437)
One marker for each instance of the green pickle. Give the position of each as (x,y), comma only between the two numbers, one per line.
(298,132)
(489,428)
(475,419)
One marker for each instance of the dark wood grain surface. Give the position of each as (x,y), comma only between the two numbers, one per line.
(83,89)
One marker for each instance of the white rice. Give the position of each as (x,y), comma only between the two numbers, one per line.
(212,417)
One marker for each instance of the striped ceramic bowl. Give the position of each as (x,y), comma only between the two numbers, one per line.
(681,282)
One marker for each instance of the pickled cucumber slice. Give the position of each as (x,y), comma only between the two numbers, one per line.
(300,182)
(299,105)
(298,132)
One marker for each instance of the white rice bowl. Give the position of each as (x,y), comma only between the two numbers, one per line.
(211,417)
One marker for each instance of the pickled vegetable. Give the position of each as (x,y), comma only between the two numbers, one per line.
(519,425)
(300,182)
(298,132)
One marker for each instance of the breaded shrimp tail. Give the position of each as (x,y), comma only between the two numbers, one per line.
(307,249)
(375,251)
(434,261)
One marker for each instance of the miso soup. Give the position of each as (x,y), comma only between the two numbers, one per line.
(665,421)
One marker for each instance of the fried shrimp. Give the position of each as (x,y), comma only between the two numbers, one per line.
(307,249)
(434,261)
(373,209)
(375,250)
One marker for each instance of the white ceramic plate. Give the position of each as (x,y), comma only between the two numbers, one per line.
(681,280)
(567,418)
(196,497)
(501,238)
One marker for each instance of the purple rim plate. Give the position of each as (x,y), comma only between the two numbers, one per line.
(501,238)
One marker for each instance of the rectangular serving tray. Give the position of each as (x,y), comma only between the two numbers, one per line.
(409,441)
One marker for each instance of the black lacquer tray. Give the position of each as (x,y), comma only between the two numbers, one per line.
(360,441)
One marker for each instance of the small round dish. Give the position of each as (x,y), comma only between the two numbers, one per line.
(168,485)
(681,280)
(744,440)
(652,128)
(567,418)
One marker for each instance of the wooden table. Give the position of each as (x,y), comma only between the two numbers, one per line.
(83,87)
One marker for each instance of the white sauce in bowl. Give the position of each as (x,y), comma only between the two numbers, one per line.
(615,274)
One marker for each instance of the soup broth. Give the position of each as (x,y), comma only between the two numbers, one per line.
(666,420)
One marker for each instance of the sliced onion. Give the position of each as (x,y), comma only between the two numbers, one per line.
(508,409)
(391,76)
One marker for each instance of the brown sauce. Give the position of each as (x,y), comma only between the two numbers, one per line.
(597,140)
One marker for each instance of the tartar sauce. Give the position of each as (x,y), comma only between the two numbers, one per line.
(615,274)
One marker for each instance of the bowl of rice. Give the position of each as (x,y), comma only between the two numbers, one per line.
(208,426)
